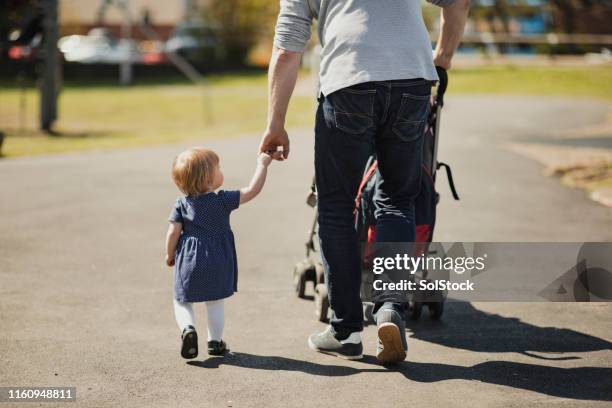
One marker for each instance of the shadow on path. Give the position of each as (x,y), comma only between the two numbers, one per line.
(582,383)
(465,327)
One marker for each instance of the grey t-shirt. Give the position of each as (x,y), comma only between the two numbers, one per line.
(362,40)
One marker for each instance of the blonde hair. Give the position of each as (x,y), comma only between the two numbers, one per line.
(193,170)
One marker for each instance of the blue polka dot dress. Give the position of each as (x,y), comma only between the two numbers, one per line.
(206,266)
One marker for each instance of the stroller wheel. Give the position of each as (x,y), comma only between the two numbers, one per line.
(436,310)
(321,302)
(414,310)
(299,279)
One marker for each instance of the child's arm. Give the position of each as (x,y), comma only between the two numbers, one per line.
(258,180)
(172,237)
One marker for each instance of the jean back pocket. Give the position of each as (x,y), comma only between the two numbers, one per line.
(411,116)
(353,109)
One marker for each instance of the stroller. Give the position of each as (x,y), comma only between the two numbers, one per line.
(311,268)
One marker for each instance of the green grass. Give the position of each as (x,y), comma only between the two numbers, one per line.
(584,82)
(103,115)
(107,116)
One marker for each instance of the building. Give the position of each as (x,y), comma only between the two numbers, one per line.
(80,16)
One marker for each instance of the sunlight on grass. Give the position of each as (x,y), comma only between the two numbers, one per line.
(586,82)
(103,115)
(100,117)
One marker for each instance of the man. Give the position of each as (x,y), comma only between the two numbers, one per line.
(376,74)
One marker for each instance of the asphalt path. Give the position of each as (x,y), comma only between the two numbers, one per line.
(85,297)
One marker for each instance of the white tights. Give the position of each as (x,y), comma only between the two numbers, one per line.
(183,311)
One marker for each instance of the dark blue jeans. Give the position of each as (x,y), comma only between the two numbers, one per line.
(387,118)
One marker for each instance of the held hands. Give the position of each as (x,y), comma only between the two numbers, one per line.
(264,159)
(272,139)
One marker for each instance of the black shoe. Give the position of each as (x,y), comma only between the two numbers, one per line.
(392,345)
(326,342)
(189,348)
(217,348)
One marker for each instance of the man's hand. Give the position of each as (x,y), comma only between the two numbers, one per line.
(170,260)
(272,139)
(442,61)
(452,24)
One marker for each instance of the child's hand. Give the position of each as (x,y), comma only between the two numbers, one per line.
(264,159)
(169,260)
(274,155)
(278,155)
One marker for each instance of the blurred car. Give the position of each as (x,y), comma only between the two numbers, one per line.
(98,46)
(152,52)
(25,40)
(26,52)
(196,41)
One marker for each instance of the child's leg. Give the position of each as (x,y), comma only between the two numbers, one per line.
(183,312)
(216,319)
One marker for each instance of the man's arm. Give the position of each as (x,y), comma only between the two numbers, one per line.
(452,23)
(291,36)
(282,76)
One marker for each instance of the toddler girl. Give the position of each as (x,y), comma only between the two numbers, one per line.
(200,243)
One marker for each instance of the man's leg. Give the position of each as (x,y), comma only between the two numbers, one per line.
(344,136)
(399,150)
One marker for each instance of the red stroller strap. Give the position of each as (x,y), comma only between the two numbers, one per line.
(364,181)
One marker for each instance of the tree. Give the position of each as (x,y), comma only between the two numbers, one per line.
(568,9)
(242,24)
(502,11)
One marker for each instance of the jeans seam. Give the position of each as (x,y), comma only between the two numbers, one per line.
(415,97)
(387,104)
(403,84)
(416,83)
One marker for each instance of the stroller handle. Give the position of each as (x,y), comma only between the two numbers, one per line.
(441,85)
